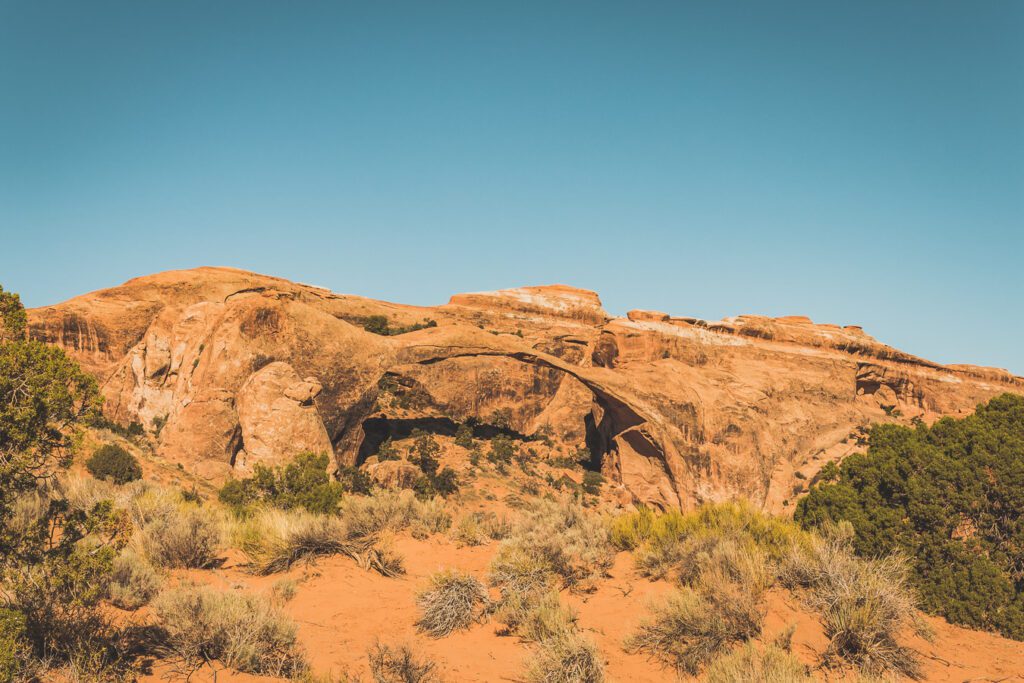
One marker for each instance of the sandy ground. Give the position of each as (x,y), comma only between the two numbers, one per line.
(342,610)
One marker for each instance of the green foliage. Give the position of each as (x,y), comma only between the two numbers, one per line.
(302,483)
(951,498)
(12,317)
(43,395)
(464,436)
(355,480)
(503,449)
(592,482)
(379,324)
(388,451)
(434,482)
(14,646)
(114,463)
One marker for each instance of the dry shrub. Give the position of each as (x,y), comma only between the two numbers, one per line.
(453,602)
(275,539)
(133,581)
(384,511)
(399,664)
(559,538)
(431,517)
(569,659)
(746,664)
(539,619)
(187,536)
(243,631)
(284,590)
(863,603)
(693,626)
(478,528)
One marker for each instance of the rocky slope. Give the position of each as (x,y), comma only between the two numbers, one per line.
(231,368)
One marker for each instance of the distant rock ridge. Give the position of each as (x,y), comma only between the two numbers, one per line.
(242,368)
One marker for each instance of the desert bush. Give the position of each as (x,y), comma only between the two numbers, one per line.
(284,590)
(183,536)
(133,581)
(747,663)
(693,626)
(399,664)
(430,517)
(568,659)
(537,617)
(477,528)
(274,540)
(59,599)
(560,538)
(14,646)
(385,511)
(674,541)
(949,497)
(245,632)
(629,530)
(302,483)
(113,463)
(863,603)
(592,482)
(454,601)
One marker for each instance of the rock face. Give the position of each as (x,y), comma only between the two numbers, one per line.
(239,368)
(277,418)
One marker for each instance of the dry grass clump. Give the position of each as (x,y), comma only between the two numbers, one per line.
(478,528)
(133,581)
(186,536)
(559,538)
(243,631)
(538,619)
(400,664)
(745,664)
(863,603)
(275,539)
(569,659)
(431,517)
(453,602)
(694,625)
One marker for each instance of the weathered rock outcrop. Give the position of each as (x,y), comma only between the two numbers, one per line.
(239,368)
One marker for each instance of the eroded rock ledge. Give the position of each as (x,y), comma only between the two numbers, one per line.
(243,368)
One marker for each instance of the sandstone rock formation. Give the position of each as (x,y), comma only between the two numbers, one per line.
(238,368)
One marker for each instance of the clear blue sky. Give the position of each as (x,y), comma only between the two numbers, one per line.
(857,162)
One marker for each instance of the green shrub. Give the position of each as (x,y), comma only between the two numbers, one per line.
(304,483)
(114,463)
(951,497)
(503,450)
(245,632)
(592,482)
(14,646)
(464,436)
(454,601)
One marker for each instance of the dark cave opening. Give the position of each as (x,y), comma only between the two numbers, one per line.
(377,430)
